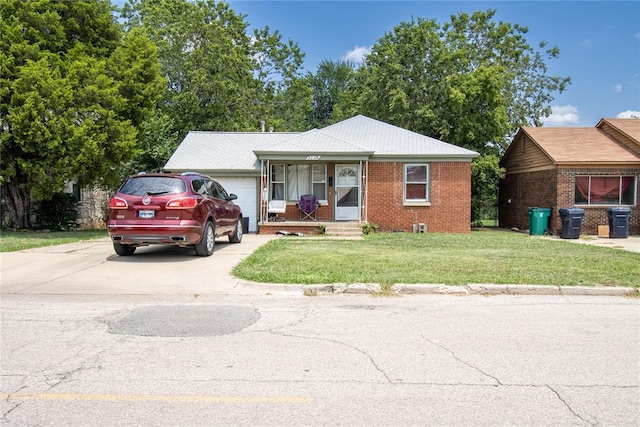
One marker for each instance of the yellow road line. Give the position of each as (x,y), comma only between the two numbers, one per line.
(154,398)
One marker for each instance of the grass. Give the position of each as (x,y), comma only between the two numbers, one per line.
(19,240)
(498,257)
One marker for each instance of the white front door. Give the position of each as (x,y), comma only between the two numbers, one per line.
(347,193)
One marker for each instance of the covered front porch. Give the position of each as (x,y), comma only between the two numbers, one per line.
(336,183)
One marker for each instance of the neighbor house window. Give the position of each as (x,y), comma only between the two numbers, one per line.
(296,180)
(416,183)
(605,190)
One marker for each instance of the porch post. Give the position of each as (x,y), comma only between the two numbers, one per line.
(365,193)
(264,190)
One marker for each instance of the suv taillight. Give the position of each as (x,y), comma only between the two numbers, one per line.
(182,203)
(118,203)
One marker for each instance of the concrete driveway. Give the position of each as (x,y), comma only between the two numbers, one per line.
(93,268)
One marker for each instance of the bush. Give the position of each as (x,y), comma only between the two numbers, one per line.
(59,213)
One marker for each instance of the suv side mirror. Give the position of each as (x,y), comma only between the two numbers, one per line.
(232,197)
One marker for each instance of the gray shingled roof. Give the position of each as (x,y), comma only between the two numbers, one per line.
(205,151)
(385,139)
(237,150)
(313,141)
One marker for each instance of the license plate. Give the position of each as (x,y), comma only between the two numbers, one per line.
(146,214)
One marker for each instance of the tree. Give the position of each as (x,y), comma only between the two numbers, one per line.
(471,82)
(331,80)
(73,92)
(284,95)
(219,77)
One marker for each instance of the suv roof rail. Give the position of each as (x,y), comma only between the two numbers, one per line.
(142,173)
(190,173)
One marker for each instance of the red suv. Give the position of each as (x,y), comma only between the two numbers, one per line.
(187,209)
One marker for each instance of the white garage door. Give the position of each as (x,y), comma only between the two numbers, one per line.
(245,189)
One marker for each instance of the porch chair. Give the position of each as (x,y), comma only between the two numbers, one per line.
(308,207)
(274,208)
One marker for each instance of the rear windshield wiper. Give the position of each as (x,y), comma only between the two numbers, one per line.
(157,193)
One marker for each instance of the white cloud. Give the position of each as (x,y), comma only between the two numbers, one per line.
(562,116)
(637,35)
(629,114)
(617,88)
(586,43)
(356,54)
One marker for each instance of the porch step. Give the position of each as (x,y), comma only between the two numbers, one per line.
(343,229)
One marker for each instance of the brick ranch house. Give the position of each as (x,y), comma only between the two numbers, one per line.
(590,168)
(361,170)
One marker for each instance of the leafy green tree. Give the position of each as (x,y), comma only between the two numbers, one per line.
(486,174)
(332,79)
(471,82)
(204,53)
(219,77)
(72,92)
(283,94)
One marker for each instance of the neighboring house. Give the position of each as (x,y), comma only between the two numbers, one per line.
(361,170)
(93,205)
(591,168)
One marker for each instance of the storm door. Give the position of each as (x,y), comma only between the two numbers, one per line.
(347,193)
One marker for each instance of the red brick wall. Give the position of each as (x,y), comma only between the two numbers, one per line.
(595,215)
(450,210)
(519,192)
(556,189)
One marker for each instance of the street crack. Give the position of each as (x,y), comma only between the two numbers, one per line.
(464,362)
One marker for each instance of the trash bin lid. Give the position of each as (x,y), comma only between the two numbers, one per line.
(619,209)
(571,211)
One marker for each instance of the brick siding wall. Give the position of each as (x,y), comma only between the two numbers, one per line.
(519,192)
(450,190)
(556,189)
(595,215)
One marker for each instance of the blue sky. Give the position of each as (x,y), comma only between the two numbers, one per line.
(599,41)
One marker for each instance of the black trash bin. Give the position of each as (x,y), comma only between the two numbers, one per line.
(571,222)
(619,222)
(245,224)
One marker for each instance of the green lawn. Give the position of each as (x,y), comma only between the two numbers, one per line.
(19,240)
(499,257)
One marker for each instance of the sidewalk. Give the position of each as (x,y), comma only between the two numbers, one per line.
(631,243)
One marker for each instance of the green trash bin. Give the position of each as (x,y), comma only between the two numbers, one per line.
(538,220)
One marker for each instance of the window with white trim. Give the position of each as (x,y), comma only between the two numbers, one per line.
(605,190)
(416,183)
(277,182)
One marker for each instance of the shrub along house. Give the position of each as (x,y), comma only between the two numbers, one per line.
(590,168)
(360,170)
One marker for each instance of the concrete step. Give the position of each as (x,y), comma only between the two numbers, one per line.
(343,229)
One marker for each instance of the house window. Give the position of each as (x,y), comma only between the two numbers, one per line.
(416,183)
(277,182)
(319,181)
(298,179)
(605,190)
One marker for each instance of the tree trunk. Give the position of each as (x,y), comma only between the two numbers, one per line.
(16,206)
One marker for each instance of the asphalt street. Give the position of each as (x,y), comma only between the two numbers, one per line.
(168,338)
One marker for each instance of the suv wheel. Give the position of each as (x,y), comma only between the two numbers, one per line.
(236,237)
(123,250)
(205,247)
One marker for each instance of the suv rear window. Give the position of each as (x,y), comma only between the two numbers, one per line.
(153,186)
